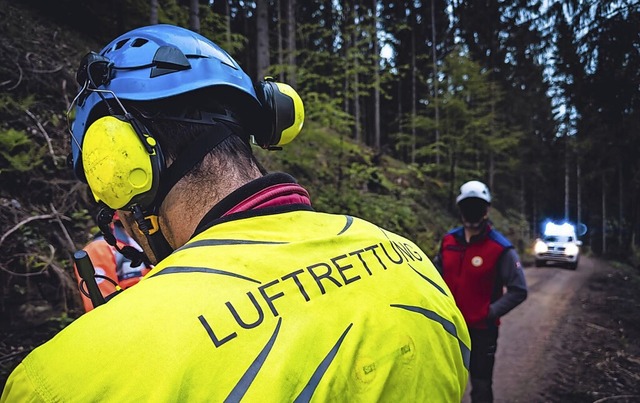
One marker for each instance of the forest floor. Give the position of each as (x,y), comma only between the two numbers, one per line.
(598,355)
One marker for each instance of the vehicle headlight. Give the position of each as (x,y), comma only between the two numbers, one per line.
(540,247)
(571,249)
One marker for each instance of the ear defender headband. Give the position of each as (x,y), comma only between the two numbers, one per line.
(283,111)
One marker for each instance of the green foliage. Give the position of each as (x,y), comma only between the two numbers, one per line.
(11,104)
(326,111)
(343,178)
(18,152)
(213,26)
(60,322)
(171,12)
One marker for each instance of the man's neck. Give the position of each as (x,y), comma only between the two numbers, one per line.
(471,232)
(185,206)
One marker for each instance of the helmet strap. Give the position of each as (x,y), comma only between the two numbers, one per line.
(104,219)
(189,158)
(147,219)
(148,225)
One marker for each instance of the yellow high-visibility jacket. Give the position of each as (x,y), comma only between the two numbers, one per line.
(296,306)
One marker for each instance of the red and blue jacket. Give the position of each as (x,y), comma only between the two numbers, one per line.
(477,273)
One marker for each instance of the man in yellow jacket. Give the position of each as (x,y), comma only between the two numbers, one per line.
(254,296)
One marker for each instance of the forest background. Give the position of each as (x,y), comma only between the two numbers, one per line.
(405,100)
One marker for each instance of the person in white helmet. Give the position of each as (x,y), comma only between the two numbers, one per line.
(478,263)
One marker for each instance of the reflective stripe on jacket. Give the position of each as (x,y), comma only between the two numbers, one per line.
(296,306)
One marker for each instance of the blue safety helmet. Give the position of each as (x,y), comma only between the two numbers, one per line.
(152,63)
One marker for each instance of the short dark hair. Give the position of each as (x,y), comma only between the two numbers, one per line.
(173,122)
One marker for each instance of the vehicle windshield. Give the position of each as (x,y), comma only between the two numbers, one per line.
(558,238)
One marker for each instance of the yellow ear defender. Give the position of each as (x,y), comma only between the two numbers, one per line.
(284,110)
(121,162)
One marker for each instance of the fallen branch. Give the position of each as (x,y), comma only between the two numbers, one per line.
(23,222)
(72,246)
(31,274)
(44,133)
(48,262)
(54,70)
(19,78)
(14,354)
(64,92)
(598,327)
(611,398)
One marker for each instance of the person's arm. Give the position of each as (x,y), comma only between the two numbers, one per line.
(437,261)
(511,275)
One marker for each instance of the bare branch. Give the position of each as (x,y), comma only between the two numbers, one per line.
(25,221)
(54,70)
(72,246)
(612,398)
(14,354)
(64,276)
(19,77)
(44,133)
(64,92)
(48,262)
(31,274)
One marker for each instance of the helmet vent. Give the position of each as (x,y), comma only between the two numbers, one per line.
(120,44)
(138,43)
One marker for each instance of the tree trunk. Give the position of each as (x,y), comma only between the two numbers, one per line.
(356,85)
(291,42)
(534,217)
(604,218)
(400,119)
(491,134)
(621,220)
(413,84)
(523,210)
(262,40)
(248,56)
(435,80)
(194,15)
(492,168)
(227,20)
(153,15)
(566,180)
(452,186)
(578,197)
(283,76)
(376,78)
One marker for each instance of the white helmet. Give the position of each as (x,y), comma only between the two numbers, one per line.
(474,189)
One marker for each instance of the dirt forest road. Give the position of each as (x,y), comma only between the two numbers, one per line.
(529,334)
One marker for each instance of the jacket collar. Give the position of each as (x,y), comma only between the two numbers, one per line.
(484,233)
(271,193)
